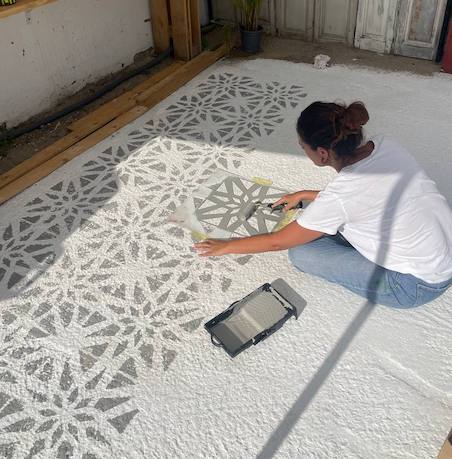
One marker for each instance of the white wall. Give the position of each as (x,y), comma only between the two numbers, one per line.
(55,50)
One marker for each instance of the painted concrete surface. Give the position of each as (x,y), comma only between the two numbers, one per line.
(55,50)
(102,348)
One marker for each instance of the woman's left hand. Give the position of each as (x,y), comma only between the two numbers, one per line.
(212,247)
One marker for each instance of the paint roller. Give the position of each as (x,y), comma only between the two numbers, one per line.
(249,210)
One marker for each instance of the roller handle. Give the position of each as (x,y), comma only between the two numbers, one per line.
(280,207)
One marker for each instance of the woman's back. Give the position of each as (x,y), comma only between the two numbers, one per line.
(391,212)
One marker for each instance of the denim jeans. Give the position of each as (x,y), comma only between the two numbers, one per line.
(334,259)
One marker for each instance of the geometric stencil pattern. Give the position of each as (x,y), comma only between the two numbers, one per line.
(224,206)
(97,294)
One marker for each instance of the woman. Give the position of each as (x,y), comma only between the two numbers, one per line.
(380,228)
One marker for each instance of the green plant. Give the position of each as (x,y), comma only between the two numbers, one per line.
(250,10)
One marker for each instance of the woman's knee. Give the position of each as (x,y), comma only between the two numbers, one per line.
(302,257)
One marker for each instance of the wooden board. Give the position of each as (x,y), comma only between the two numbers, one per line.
(110,110)
(36,168)
(39,158)
(160,25)
(21,6)
(54,163)
(180,28)
(86,125)
(170,84)
(195,28)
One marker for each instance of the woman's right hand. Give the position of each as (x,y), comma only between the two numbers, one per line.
(290,200)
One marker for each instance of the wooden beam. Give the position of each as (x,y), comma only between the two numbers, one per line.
(48,160)
(54,163)
(21,6)
(181,76)
(88,124)
(180,28)
(110,110)
(160,25)
(40,158)
(195,28)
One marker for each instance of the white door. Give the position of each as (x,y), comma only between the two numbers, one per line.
(418,27)
(375,25)
(318,20)
(295,19)
(335,20)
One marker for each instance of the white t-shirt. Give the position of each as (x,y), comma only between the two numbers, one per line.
(390,211)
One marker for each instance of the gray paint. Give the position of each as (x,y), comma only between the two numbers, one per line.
(229,202)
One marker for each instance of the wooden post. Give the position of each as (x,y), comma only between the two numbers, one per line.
(160,25)
(180,28)
(195,28)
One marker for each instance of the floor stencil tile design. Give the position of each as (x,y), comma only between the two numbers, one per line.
(98,293)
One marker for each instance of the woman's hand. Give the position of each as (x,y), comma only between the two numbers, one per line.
(290,200)
(212,247)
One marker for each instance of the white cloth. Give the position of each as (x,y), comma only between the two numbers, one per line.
(390,211)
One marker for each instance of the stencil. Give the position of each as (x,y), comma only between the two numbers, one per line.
(221,201)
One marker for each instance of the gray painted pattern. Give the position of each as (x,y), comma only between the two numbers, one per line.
(84,323)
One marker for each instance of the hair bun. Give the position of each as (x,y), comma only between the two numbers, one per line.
(355,116)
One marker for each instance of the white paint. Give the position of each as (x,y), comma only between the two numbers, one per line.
(53,51)
(389,396)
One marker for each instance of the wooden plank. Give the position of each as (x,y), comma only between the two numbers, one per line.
(160,25)
(51,158)
(446,450)
(86,125)
(195,28)
(110,110)
(54,163)
(21,6)
(39,158)
(180,28)
(173,82)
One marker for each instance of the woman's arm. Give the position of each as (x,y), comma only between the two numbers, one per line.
(290,236)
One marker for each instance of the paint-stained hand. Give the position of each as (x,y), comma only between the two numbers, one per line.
(212,247)
(289,200)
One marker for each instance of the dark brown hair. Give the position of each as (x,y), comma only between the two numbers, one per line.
(333,126)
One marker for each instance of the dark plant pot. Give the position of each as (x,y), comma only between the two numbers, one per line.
(251,41)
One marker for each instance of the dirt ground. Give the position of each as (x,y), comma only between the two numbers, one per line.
(15,151)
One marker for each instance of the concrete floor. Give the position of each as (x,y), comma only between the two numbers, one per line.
(299,51)
(18,150)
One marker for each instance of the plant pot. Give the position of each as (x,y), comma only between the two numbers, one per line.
(251,40)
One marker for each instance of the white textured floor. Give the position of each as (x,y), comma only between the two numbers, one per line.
(103,352)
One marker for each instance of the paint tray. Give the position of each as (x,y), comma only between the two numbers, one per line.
(254,318)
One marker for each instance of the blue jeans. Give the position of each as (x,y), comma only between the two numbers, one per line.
(334,259)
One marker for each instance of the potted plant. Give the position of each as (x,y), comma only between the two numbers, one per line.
(250,30)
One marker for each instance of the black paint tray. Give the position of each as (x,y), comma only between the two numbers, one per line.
(255,317)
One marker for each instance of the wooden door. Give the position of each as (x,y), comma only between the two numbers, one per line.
(295,18)
(375,25)
(418,28)
(335,20)
(319,20)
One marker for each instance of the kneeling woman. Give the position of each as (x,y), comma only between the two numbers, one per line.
(380,228)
